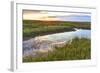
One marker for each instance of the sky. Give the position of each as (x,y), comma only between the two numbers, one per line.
(55,16)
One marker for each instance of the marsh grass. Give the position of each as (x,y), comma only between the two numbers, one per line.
(33,32)
(79,49)
(33,28)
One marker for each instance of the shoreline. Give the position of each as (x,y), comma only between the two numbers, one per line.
(49,33)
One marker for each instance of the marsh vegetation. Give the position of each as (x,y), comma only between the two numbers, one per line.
(78,49)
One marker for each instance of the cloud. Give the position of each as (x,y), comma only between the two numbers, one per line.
(51,15)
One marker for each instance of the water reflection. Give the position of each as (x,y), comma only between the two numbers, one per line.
(46,42)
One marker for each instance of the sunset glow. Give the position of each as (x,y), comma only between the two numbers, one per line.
(39,16)
(50,16)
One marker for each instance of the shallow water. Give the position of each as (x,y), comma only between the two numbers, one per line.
(79,33)
(45,42)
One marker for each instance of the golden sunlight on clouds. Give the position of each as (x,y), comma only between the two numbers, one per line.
(46,18)
(45,15)
(38,16)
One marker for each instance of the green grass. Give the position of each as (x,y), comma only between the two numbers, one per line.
(32,32)
(37,23)
(33,28)
(79,49)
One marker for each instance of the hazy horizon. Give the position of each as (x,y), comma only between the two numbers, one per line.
(55,16)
